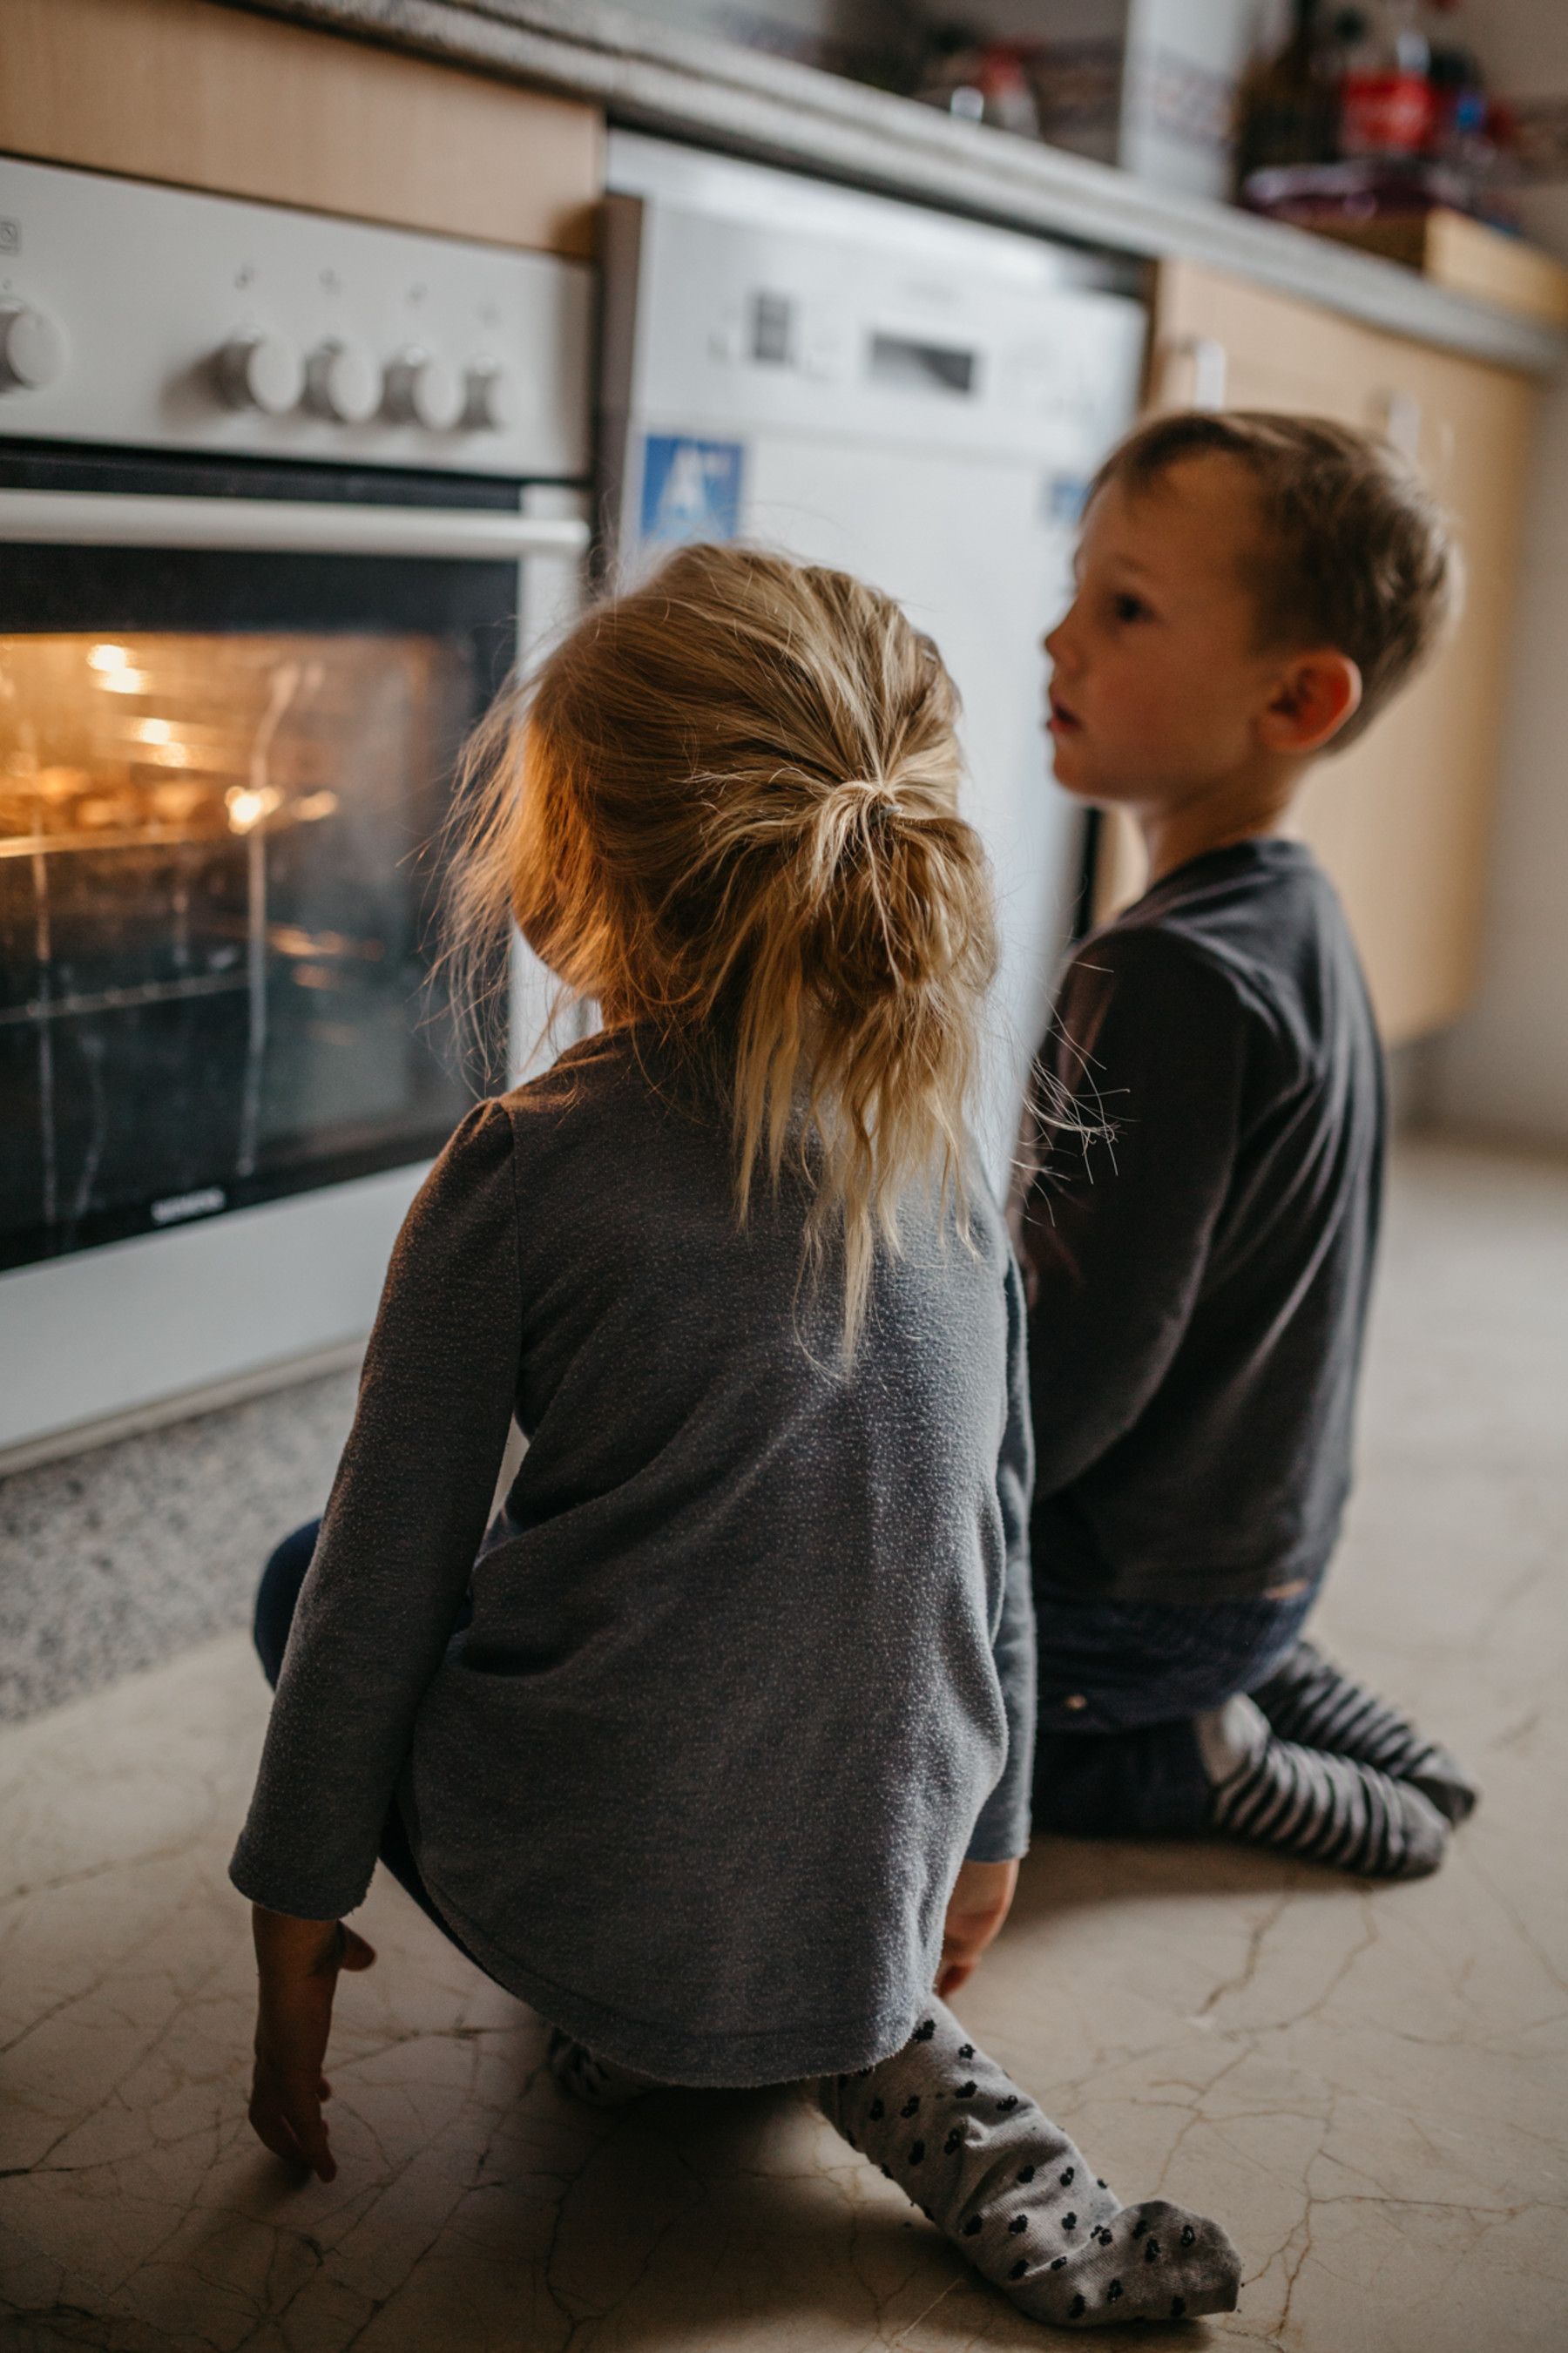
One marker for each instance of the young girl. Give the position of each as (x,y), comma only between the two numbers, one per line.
(700,1749)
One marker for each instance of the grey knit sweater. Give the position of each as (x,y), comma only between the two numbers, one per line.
(750,1665)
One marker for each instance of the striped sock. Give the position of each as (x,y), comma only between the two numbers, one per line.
(1266,1792)
(1309,1701)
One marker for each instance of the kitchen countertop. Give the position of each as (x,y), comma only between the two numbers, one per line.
(656,78)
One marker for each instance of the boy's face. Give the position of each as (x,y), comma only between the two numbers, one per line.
(1159,685)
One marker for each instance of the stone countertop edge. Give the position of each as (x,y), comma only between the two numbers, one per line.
(651,77)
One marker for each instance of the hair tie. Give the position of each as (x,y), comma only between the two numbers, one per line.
(872,790)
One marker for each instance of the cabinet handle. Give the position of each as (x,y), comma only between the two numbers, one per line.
(1207,364)
(1399,420)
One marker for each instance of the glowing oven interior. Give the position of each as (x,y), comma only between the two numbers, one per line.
(213,920)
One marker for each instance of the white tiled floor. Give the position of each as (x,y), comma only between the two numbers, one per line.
(1369,2088)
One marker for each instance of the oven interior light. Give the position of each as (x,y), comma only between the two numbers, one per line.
(248,806)
(152,731)
(290,940)
(176,804)
(114,669)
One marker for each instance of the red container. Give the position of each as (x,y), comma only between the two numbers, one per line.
(1386,113)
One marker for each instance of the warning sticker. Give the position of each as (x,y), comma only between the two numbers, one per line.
(690,489)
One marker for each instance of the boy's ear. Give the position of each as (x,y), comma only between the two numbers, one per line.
(1311,698)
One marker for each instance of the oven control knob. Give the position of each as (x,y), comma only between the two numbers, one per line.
(343,382)
(32,348)
(262,372)
(423,390)
(490,405)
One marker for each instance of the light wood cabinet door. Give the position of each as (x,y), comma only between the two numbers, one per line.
(209,97)
(1402,819)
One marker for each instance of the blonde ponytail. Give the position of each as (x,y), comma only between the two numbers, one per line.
(727,806)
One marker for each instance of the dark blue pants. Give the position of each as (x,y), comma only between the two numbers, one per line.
(1121,1682)
(276,1601)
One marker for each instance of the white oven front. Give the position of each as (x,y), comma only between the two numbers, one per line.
(242,638)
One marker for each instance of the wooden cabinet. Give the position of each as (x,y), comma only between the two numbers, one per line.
(1401,819)
(208,97)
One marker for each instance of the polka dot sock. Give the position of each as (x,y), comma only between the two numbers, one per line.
(1309,1701)
(1014,2194)
(1266,1792)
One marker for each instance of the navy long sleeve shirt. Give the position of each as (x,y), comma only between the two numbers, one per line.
(1197,1212)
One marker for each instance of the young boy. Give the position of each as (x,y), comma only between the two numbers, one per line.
(1197,1203)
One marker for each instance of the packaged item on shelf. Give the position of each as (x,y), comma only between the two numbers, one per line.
(1534,132)
(983,81)
(1387,103)
(1463,132)
(1152,88)
(1078,86)
(1416,132)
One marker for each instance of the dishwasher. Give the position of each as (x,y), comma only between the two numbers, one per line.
(914,398)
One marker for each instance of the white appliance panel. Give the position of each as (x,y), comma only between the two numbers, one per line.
(963,570)
(118,295)
(88,1341)
(914,399)
(1034,366)
(148,286)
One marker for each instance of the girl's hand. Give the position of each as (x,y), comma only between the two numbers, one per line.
(981,1900)
(297,1965)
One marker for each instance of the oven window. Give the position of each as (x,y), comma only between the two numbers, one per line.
(215,911)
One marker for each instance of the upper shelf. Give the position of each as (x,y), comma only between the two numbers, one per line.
(649,76)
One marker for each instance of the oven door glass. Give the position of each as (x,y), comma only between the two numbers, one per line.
(216,883)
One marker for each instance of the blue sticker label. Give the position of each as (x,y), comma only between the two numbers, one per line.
(690,489)
(1063,498)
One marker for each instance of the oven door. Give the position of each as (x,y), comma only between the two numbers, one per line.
(229,730)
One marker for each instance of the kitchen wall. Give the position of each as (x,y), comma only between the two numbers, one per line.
(1505,1065)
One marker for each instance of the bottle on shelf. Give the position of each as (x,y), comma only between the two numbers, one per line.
(1461,105)
(1287,107)
(1388,104)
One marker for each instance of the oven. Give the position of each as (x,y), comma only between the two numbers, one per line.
(282,499)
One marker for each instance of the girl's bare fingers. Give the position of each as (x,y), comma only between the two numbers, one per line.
(286,2116)
(309,2133)
(273,2130)
(319,2157)
(963,1943)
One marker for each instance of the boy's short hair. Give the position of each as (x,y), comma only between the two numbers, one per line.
(1354,552)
